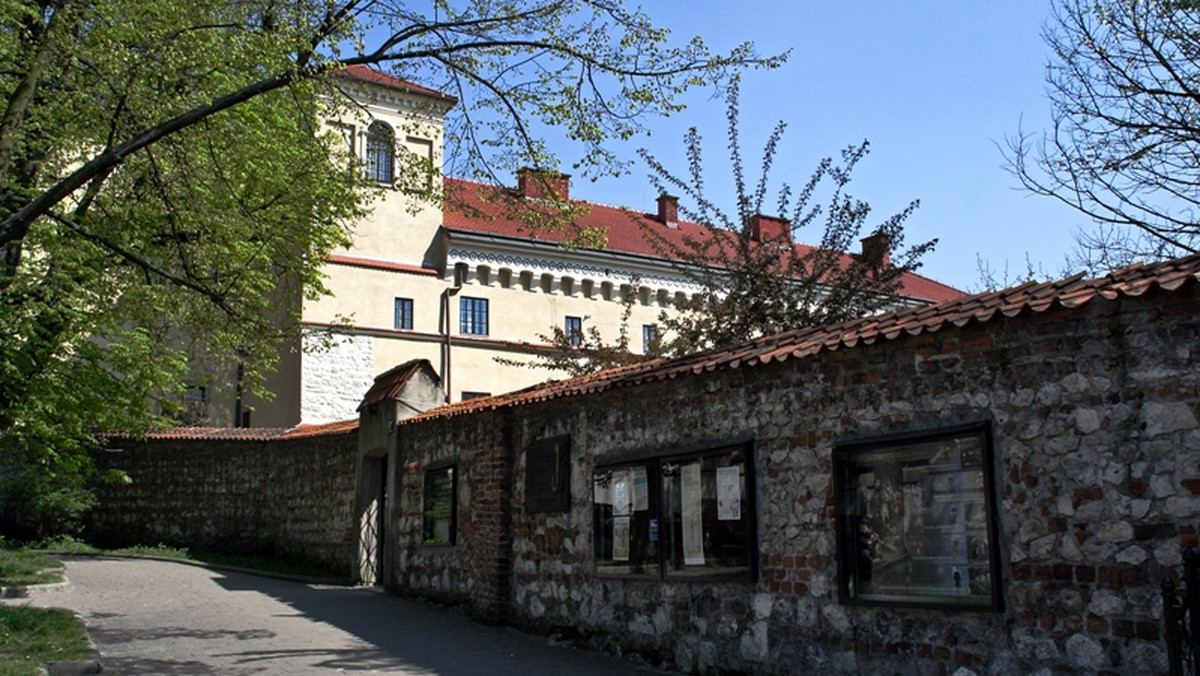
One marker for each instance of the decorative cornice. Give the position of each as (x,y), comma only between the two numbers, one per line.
(578,270)
(424,106)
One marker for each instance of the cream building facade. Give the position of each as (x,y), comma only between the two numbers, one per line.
(463,284)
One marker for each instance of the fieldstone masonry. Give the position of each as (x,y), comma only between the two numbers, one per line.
(1095,418)
(1094,414)
(335,364)
(290,498)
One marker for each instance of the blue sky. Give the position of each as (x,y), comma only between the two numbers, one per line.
(934,86)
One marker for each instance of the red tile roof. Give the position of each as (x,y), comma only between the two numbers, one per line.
(378,77)
(388,384)
(479,208)
(243,433)
(373,264)
(1070,293)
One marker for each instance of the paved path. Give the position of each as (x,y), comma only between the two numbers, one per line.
(156,617)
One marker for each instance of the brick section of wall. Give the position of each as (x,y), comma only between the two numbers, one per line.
(1097,443)
(286,498)
(472,573)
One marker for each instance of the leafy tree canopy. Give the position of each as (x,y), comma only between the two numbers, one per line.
(1124,86)
(166,183)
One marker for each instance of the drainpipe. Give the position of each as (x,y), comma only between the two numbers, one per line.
(446,310)
(237,402)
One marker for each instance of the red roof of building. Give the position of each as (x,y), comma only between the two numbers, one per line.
(391,382)
(1071,293)
(479,208)
(378,77)
(243,433)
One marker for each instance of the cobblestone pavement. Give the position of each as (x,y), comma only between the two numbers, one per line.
(157,617)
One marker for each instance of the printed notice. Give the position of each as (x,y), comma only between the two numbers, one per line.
(693,524)
(620,492)
(641,489)
(729,493)
(603,492)
(621,538)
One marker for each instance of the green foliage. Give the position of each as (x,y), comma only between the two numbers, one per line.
(167,197)
(24,567)
(37,504)
(159,550)
(30,637)
(1122,81)
(64,544)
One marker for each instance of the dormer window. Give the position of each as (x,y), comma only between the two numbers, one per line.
(381,152)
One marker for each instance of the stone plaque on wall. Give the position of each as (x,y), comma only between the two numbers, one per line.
(548,475)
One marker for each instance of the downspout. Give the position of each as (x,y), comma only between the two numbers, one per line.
(446,311)
(237,402)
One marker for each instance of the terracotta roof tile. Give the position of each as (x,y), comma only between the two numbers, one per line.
(1069,293)
(242,433)
(477,208)
(373,264)
(378,77)
(388,384)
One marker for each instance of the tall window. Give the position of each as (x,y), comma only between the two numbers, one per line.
(649,337)
(381,152)
(473,316)
(574,330)
(404,313)
(439,518)
(195,406)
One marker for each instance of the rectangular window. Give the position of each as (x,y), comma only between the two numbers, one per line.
(473,316)
(916,521)
(649,337)
(574,331)
(681,517)
(404,313)
(440,506)
(419,168)
(195,406)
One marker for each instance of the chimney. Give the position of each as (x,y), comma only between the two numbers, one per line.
(543,184)
(770,229)
(668,210)
(875,250)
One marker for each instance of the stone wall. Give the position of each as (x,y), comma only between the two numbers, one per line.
(1093,413)
(338,369)
(282,497)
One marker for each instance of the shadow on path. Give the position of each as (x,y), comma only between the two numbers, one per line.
(425,638)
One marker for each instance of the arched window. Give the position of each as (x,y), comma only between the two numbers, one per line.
(381,149)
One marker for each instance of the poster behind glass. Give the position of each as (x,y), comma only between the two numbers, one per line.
(680,516)
(625,525)
(914,522)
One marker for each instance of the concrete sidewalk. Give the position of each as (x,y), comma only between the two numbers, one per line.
(157,617)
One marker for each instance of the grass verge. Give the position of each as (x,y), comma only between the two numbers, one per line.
(19,567)
(30,637)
